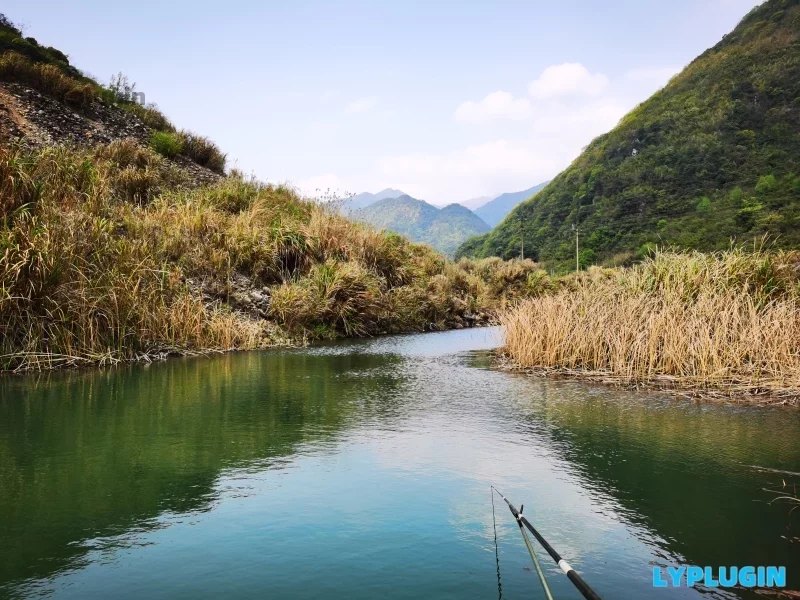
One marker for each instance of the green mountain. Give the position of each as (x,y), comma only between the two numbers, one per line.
(443,228)
(365,199)
(713,156)
(496,209)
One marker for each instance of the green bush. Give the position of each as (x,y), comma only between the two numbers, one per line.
(203,151)
(766,183)
(166,144)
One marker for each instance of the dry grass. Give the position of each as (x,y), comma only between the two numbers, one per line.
(728,322)
(47,79)
(202,151)
(105,256)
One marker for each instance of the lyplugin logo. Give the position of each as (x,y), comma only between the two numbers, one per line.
(712,577)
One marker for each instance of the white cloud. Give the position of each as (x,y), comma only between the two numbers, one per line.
(498,165)
(497,105)
(362,105)
(568,106)
(567,79)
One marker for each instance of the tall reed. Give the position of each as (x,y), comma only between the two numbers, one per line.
(726,321)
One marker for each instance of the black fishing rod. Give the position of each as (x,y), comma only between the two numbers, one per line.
(573,576)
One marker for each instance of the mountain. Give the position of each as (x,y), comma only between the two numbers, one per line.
(365,199)
(474,203)
(495,210)
(443,228)
(713,156)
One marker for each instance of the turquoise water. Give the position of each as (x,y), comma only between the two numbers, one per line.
(362,470)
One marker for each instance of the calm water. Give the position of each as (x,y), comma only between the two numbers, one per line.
(362,470)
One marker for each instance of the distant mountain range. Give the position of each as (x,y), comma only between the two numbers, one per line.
(442,228)
(496,209)
(365,199)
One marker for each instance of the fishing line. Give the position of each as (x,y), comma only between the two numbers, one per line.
(565,567)
(496,551)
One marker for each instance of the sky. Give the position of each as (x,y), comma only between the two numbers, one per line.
(447,100)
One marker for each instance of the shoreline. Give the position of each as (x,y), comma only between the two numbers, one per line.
(84,364)
(735,393)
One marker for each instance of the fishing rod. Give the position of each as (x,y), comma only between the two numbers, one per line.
(565,567)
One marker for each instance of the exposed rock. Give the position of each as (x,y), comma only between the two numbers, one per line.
(37,120)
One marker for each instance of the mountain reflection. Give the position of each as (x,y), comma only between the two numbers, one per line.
(91,455)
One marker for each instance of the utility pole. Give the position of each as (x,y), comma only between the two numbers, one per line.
(577,231)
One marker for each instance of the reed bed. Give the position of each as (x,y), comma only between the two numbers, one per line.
(725,322)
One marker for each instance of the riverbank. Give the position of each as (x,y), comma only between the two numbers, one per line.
(721,324)
(113,254)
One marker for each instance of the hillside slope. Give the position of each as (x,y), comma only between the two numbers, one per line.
(122,239)
(496,209)
(714,155)
(45,100)
(442,228)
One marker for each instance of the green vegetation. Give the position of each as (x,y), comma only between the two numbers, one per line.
(726,321)
(166,143)
(105,255)
(713,156)
(442,228)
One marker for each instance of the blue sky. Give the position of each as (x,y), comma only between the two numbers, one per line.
(446,100)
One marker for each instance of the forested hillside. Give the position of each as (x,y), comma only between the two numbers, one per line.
(714,155)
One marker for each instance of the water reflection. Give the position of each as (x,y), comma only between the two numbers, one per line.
(91,455)
(370,460)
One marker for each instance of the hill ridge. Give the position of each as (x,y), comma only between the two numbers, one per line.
(442,228)
(713,156)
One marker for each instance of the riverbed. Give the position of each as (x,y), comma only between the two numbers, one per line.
(361,469)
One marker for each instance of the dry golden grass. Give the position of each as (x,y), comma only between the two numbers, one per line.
(728,322)
(48,79)
(106,256)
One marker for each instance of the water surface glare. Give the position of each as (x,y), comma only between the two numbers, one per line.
(362,470)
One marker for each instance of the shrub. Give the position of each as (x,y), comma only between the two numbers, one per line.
(203,151)
(703,205)
(166,144)
(766,183)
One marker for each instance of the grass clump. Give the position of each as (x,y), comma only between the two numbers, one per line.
(726,321)
(48,79)
(167,144)
(203,151)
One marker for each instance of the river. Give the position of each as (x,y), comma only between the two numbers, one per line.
(362,470)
